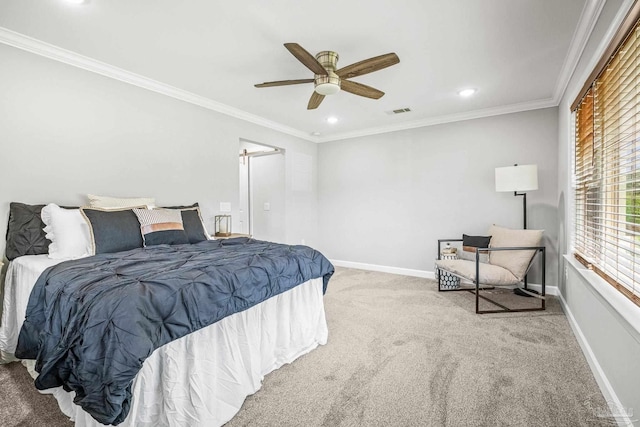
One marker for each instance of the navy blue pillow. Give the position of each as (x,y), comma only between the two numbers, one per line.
(113,231)
(192,222)
(193,226)
(161,227)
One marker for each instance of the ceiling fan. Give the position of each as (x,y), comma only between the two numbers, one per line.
(328,80)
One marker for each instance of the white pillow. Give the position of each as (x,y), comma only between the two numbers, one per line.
(68,232)
(106,202)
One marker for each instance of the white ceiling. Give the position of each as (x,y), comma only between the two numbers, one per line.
(517,53)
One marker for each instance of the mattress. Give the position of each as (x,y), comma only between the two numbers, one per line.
(203,378)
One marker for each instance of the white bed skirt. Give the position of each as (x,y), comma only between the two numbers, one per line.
(202,379)
(22,274)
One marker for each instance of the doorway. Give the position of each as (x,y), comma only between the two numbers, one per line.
(262,191)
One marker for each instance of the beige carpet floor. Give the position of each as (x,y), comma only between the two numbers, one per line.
(21,405)
(402,354)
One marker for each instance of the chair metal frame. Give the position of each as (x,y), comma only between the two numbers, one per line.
(478,286)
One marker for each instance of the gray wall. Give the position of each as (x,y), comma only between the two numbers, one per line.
(606,323)
(387,199)
(66,132)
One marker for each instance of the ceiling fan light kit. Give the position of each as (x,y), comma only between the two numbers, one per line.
(328,81)
(327,84)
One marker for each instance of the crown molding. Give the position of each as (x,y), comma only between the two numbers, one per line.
(586,23)
(56,53)
(432,121)
(604,43)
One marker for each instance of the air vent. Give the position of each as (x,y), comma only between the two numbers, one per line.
(399,111)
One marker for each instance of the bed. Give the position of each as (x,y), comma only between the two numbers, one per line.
(198,379)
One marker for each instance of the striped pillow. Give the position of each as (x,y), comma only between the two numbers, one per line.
(161,227)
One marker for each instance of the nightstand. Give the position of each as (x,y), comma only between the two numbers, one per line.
(231,236)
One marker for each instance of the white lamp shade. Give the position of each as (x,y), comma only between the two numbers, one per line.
(517,178)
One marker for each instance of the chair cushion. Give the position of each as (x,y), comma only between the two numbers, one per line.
(514,261)
(489,274)
(471,255)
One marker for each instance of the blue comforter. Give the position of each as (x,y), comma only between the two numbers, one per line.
(92,322)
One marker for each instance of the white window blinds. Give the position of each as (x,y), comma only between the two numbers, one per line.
(607,165)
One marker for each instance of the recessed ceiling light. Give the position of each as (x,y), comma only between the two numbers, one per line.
(465,93)
(315,133)
(332,120)
(75,1)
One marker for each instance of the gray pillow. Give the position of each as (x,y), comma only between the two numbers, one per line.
(113,230)
(469,245)
(195,205)
(476,241)
(192,222)
(25,235)
(193,225)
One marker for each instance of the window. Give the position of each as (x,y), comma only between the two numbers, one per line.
(607,165)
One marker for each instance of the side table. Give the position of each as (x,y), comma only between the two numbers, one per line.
(231,236)
(448,280)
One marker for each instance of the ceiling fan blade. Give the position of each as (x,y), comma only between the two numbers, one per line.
(360,89)
(284,83)
(368,66)
(315,100)
(306,58)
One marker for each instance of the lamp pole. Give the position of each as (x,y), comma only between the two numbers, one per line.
(524,206)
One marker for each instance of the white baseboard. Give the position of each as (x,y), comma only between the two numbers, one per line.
(384,269)
(550,290)
(603,382)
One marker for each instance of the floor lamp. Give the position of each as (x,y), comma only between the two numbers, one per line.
(518,179)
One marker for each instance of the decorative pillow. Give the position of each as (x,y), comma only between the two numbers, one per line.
(469,245)
(106,202)
(161,226)
(193,225)
(514,261)
(68,232)
(25,235)
(112,230)
(195,205)
(192,222)
(475,241)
